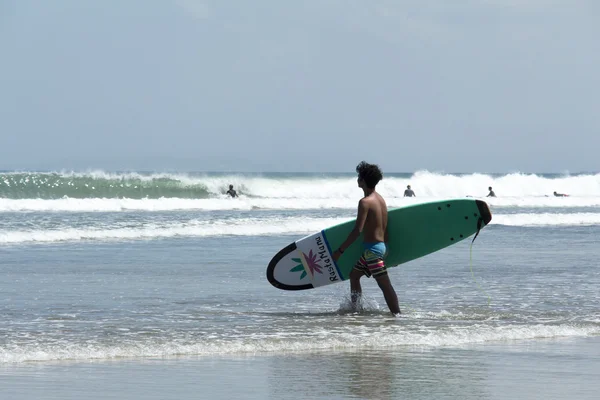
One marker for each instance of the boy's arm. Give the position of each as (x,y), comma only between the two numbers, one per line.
(361,218)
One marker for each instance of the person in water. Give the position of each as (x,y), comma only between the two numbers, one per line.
(409,192)
(371,220)
(491,193)
(232,192)
(560,194)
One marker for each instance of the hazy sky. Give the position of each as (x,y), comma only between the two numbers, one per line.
(311,85)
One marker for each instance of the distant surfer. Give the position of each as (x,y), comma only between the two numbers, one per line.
(232,192)
(491,193)
(371,219)
(409,192)
(560,194)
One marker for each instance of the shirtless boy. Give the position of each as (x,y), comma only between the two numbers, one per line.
(372,221)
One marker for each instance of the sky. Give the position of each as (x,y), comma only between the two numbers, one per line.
(300,86)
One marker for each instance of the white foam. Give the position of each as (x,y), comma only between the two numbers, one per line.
(547,219)
(167,204)
(511,185)
(265,226)
(248,203)
(193,228)
(353,338)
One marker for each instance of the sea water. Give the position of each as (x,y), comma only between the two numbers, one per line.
(152,285)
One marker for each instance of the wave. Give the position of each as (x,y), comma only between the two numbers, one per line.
(547,219)
(99,184)
(516,185)
(270,226)
(193,228)
(321,340)
(137,185)
(249,203)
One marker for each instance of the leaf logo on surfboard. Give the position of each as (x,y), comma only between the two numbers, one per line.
(312,263)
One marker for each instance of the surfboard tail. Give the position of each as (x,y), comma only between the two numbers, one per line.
(484,211)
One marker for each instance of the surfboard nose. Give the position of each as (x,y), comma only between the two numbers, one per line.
(283,270)
(484,211)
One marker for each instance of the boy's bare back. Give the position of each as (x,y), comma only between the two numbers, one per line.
(376,222)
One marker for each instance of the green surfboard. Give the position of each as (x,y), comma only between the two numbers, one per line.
(413,231)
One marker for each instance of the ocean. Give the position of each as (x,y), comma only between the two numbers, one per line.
(152,285)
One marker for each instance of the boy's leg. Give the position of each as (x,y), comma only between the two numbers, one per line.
(355,288)
(389,293)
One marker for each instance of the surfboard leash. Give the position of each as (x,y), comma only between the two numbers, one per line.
(479,225)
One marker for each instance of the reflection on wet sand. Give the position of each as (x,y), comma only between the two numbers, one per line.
(378,374)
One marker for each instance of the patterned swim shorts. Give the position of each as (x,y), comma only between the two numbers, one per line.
(371,262)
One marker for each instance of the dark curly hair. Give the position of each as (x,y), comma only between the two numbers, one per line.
(370,173)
